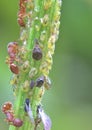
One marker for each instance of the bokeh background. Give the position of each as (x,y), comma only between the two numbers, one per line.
(69,101)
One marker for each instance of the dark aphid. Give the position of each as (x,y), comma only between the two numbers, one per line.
(17,122)
(14,68)
(32,84)
(28,109)
(38,107)
(45,119)
(25,108)
(27,103)
(37,52)
(40,81)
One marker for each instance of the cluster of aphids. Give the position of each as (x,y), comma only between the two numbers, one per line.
(13,50)
(22,12)
(41,116)
(7,109)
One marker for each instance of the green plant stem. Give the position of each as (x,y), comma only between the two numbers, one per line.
(33,33)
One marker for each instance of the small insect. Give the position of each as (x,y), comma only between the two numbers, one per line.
(12,49)
(37,52)
(21,13)
(17,122)
(7,107)
(14,68)
(8,111)
(44,118)
(40,81)
(28,109)
(47,83)
(9,116)
(32,84)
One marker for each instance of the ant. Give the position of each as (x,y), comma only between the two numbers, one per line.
(22,12)
(12,51)
(8,111)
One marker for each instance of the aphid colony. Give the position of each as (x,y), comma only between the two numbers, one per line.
(13,50)
(41,116)
(7,109)
(31,67)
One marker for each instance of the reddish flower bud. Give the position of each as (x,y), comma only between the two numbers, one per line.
(14,68)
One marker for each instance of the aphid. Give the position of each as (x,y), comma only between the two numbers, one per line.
(28,109)
(47,83)
(17,122)
(45,118)
(14,68)
(37,52)
(40,81)
(32,84)
(27,102)
(7,107)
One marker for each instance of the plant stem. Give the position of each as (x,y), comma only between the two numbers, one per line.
(42,23)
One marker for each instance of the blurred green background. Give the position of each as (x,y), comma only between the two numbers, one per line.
(69,101)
